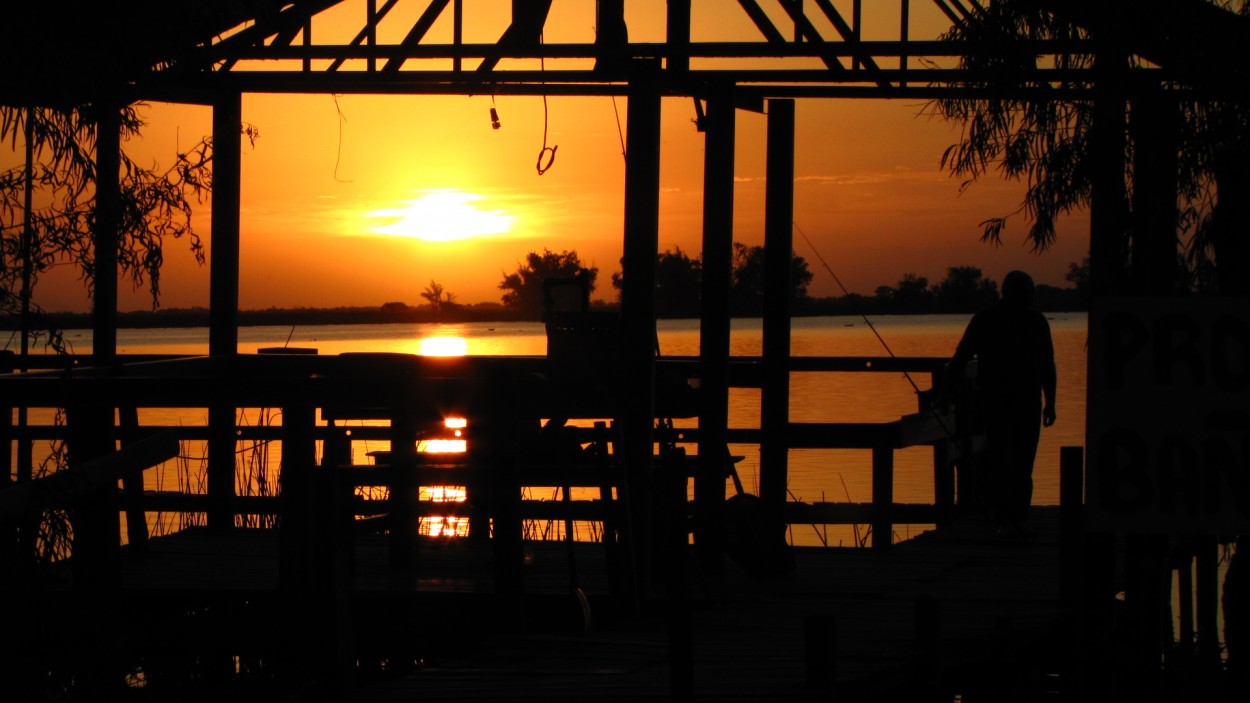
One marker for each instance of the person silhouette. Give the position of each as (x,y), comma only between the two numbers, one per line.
(1015,385)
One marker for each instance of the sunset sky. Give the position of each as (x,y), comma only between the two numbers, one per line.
(359,200)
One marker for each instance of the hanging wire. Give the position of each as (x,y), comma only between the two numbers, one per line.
(620,133)
(547,156)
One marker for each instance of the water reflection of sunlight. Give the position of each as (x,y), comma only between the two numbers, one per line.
(447,445)
(445,525)
(442,346)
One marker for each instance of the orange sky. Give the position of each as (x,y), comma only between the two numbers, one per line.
(868,192)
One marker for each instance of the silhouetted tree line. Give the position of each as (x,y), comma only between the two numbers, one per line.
(678,287)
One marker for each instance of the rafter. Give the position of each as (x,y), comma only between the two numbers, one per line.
(233,45)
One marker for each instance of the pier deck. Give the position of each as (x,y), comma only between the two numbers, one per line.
(992,601)
(950,609)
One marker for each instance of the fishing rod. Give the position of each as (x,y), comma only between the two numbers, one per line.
(950,434)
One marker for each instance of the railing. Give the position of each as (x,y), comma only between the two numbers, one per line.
(409,396)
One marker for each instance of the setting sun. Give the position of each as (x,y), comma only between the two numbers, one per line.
(443,216)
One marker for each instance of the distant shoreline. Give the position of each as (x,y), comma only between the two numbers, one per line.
(398,313)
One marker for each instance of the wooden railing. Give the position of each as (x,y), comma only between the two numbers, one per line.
(409,395)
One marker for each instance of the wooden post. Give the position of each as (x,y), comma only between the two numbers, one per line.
(882,497)
(404,519)
(718,197)
(943,470)
(678,41)
(778,253)
(95,520)
(295,478)
(642,213)
(1071,525)
(132,485)
(9,553)
(1208,602)
(106,235)
(1155,126)
(1108,210)
(223,335)
(1185,600)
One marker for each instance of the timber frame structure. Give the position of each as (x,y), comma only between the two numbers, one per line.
(213,52)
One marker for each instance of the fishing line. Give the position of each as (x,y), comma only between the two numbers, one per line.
(950,434)
(851,299)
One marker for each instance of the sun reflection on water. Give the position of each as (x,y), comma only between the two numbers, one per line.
(445,525)
(442,346)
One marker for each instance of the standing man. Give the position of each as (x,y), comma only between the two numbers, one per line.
(1015,389)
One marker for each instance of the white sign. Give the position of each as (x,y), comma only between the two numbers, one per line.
(1168,428)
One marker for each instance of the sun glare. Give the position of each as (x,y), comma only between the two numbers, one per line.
(442,346)
(443,216)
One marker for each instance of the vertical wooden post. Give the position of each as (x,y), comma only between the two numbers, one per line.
(295,480)
(106,235)
(371,35)
(678,39)
(1108,200)
(882,497)
(642,214)
(778,253)
(1155,125)
(1071,525)
(1072,586)
(404,487)
(718,198)
(1185,599)
(223,334)
(457,33)
(132,485)
(1208,601)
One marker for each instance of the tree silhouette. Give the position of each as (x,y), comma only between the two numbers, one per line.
(438,297)
(1045,142)
(59,173)
(523,289)
(911,295)
(964,290)
(678,284)
(746,292)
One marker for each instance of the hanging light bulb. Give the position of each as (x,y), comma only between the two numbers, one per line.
(494,118)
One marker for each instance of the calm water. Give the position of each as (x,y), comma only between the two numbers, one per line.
(833,475)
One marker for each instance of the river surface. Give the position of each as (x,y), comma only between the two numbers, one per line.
(815,475)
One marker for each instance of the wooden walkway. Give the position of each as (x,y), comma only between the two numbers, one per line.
(962,610)
(965,610)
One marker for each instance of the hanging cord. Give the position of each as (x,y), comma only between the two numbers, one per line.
(547,156)
(620,133)
(338,153)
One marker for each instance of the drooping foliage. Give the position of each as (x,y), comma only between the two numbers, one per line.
(47,201)
(1032,129)
(1020,132)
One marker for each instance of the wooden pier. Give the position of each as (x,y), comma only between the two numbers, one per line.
(341,593)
